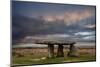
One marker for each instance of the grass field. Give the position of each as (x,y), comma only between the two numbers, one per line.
(28,56)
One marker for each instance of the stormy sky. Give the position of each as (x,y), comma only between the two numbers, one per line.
(53,21)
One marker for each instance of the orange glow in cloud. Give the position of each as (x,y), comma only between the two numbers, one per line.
(69,17)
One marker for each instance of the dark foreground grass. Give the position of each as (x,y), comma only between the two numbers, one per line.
(31,59)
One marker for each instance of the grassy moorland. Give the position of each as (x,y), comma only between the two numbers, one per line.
(25,56)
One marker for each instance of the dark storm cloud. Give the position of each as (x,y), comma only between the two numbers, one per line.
(53,21)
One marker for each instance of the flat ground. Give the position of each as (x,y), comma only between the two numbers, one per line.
(28,56)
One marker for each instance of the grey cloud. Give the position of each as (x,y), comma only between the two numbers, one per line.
(24,26)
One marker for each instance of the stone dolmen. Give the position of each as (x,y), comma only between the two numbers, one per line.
(60,53)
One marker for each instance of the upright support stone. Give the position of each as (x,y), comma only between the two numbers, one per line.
(60,52)
(73,51)
(51,50)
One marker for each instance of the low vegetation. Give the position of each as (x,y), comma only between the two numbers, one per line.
(40,56)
